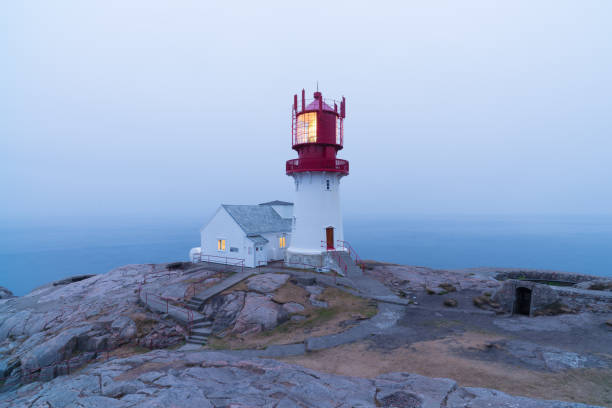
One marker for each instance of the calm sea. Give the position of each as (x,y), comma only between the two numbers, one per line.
(32,255)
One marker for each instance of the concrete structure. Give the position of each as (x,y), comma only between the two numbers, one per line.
(317,136)
(534,293)
(253,234)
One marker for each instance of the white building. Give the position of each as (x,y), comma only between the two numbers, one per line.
(253,233)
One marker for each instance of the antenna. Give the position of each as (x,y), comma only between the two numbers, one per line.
(317,85)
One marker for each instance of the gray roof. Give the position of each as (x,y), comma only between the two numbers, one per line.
(257,219)
(276,202)
(258,239)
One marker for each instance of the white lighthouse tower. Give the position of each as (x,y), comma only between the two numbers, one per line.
(317,136)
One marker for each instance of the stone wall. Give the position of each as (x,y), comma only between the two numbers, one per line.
(586,300)
(545,276)
(541,295)
(304,261)
(545,297)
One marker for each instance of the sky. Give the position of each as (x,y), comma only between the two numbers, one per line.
(168,108)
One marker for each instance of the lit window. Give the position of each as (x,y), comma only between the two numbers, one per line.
(307,128)
(221,245)
(282,242)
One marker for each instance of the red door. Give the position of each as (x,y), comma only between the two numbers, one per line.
(329,234)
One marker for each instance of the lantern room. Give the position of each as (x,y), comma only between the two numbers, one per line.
(317,133)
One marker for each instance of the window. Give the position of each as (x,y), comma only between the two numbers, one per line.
(233,249)
(327,184)
(221,245)
(282,242)
(306,125)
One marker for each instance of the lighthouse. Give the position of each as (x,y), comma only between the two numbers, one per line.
(317,134)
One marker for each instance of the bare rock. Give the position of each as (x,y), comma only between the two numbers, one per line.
(317,303)
(435,290)
(485,302)
(451,302)
(314,289)
(609,323)
(267,282)
(448,287)
(215,379)
(600,284)
(224,309)
(5,293)
(125,327)
(554,309)
(293,307)
(259,313)
(55,349)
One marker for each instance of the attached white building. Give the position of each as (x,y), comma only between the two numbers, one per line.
(253,233)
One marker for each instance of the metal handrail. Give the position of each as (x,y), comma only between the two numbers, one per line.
(229,261)
(343,266)
(317,164)
(352,253)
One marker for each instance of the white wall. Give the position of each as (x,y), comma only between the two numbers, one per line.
(285,211)
(223,226)
(315,208)
(273,250)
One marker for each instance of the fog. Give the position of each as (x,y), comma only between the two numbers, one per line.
(168,108)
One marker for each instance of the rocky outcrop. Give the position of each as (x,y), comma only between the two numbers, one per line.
(212,379)
(224,309)
(267,282)
(259,313)
(5,293)
(57,328)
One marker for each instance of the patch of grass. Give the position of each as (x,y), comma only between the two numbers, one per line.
(343,308)
(444,323)
(291,292)
(144,323)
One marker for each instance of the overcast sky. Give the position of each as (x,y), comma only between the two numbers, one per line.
(168,108)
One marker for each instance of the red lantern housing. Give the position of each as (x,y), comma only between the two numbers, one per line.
(317,133)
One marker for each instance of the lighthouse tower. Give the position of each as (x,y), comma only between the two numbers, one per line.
(317,135)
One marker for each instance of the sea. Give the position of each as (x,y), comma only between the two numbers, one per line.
(36,253)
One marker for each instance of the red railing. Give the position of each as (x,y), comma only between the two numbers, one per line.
(162,299)
(336,256)
(352,253)
(317,164)
(222,260)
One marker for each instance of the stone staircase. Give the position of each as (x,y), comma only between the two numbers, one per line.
(342,262)
(197,302)
(197,322)
(201,329)
(200,332)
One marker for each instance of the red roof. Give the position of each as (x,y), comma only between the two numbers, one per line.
(314,105)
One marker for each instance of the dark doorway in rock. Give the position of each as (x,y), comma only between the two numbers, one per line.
(522,301)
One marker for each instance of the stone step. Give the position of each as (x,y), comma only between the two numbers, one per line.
(200,320)
(198,336)
(196,341)
(201,332)
(207,323)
